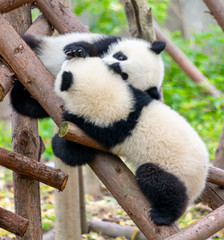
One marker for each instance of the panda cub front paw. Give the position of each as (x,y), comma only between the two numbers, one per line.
(72,50)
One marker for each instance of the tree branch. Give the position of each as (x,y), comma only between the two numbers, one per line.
(13,222)
(203,228)
(185,64)
(60,16)
(216,176)
(40,26)
(33,169)
(6,6)
(18,55)
(139,19)
(217,10)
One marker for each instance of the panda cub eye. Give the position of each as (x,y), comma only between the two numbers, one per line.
(120,56)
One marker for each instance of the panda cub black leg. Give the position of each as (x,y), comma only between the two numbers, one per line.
(80,49)
(71,153)
(24,103)
(166,193)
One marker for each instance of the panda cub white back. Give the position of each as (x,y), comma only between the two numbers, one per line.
(170,159)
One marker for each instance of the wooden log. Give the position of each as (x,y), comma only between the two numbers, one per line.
(217,10)
(41,27)
(6,80)
(33,169)
(212,196)
(16,52)
(60,16)
(71,132)
(216,176)
(114,230)
(185,64)
(6,6)
(13,222)
(203,228)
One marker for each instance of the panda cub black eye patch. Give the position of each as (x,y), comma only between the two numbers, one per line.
(120,56)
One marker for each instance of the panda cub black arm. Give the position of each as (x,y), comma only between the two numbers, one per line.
(71,153)
(21,100)
(84,49)
(80,49)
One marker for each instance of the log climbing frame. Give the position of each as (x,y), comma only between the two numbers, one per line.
(119,180)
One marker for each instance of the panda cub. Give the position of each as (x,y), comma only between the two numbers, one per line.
(170,159)
(137,61)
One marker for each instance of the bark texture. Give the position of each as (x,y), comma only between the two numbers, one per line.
(13,222)
(217,10)
(33,169)
(203,228)
(60,16)
(32,74)
(216,176)
(6,6)
(139,19)
(41,27)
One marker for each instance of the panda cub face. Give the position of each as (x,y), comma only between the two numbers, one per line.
(138,62)
(90,89)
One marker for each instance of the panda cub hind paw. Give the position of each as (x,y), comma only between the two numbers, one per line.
(160,218)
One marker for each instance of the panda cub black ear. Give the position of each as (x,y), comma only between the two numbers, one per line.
(158,46)
(154,93)
(67,80)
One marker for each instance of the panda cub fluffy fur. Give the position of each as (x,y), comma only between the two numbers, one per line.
(137,61)
(170,159)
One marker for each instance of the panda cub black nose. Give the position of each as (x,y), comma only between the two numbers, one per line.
(117,69)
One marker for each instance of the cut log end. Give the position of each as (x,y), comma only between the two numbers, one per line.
(62,187)
(26,223)
(63,129)
(2,93)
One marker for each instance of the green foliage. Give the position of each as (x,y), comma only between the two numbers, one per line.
(105,16)
(159,9)
(108,16)
(46,131)
(5,136)
(202,111)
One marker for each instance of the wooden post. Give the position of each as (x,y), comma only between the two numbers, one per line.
(25,140)
(67,208)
